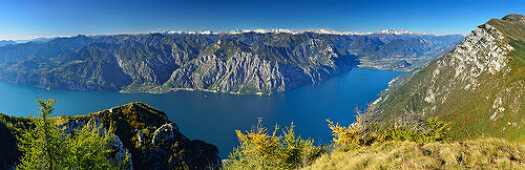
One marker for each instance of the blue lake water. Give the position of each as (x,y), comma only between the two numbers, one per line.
(213,117)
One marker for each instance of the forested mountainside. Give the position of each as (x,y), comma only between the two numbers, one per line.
(254,63)
(479,86)
(152,141)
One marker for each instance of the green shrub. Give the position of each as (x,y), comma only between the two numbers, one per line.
(432,131)
(356,135)
(376,133)
(297,151)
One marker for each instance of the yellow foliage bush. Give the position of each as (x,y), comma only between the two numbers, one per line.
(257,142)
(356,136)
(260,150)
(346,137)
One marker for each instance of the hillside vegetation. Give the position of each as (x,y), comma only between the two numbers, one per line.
(479,87)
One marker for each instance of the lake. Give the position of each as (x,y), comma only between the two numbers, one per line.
(213,117)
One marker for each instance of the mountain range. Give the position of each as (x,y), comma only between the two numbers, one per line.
(241,63)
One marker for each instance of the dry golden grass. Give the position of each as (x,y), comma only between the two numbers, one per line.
(487,153)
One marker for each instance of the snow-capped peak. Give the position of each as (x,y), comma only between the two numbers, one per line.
(289,31)
(180,32)
(262,31)
(325,31)
(207,32)
(397,32)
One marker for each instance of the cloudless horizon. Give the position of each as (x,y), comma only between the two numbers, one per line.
(25,19)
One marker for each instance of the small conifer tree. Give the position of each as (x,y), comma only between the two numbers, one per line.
(42,146)
(48,147)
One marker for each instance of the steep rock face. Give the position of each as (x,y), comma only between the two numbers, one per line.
(152,70)
(152,59)
(246,71)
(241,73)
(479,86)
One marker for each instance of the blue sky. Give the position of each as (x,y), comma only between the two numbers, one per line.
(24,19)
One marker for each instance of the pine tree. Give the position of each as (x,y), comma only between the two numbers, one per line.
(88,149)
(48,147)
(42,146)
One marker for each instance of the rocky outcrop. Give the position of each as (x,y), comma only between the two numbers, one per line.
(161,145)
(514,17)
(164,134)
(152,141)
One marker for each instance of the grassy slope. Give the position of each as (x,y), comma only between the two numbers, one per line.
(481,153)
(470,111)
(478,110)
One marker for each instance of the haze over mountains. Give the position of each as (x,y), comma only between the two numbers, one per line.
(479,86)
(255,62)
(6,42)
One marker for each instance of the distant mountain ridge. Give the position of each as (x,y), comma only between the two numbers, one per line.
(7,42)
(254,63)
(479,86)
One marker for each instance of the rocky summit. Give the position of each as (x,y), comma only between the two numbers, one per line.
(479,86)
